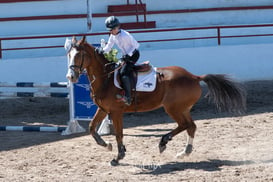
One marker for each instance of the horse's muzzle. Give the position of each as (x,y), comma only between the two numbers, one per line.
(72,77)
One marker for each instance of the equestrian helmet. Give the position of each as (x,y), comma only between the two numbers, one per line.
(111,22)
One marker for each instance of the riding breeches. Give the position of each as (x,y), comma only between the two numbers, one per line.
(130,61)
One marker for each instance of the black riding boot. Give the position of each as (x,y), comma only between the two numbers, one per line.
(127,87)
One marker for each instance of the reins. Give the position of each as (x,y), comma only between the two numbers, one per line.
(82,49)
(116,69)
(107,64)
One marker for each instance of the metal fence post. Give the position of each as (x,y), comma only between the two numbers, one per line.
(0,49)
(219,36)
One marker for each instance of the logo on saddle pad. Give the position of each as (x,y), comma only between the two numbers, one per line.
(146,82)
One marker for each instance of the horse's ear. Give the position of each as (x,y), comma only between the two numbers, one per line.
(83,40)
(74,40)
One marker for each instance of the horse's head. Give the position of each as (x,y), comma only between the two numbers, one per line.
(77,57)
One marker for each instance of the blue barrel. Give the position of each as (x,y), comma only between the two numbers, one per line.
(84,107)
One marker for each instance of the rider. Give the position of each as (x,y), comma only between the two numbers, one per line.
(129,48)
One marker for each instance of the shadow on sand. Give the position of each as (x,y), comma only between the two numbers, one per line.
(210,166)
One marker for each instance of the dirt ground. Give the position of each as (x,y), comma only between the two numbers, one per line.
(226,148)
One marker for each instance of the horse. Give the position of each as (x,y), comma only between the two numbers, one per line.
(177,90)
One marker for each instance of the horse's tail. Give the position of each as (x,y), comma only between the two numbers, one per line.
(225,93)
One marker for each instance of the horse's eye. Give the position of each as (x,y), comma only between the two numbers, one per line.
(77,56)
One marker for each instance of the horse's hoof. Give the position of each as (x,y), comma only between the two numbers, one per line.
(188,149)
(186,152)
(114,162)
(181,155)
(109,147)
(162,148)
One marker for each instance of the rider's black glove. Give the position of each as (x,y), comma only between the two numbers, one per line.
(126,58)
(99,50)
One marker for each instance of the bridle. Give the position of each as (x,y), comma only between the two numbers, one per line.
(81,50)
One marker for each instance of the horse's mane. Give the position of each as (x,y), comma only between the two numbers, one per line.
(93,52)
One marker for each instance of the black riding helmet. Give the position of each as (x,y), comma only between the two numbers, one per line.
(111,22)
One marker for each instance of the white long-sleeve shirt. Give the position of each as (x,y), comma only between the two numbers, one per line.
(124,40)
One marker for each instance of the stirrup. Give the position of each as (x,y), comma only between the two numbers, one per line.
(124,99)
(127,100)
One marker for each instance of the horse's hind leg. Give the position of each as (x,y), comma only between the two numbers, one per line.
(166,138)
(184,122)
(181,120)
(190,131)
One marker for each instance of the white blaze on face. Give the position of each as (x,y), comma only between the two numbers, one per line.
(71,57)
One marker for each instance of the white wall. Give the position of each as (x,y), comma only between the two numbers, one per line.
(187,4)
(46,69)
(43,8)
(32,53)
(243,62)
(101,5)
(43,27)
(58,7)
(190,19)
(213,18)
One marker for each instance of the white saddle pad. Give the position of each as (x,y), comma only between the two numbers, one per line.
(145,82)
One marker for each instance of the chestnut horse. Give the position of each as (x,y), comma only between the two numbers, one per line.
(177,90)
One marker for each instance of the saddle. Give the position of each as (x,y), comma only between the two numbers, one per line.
(139,69)
(144,67)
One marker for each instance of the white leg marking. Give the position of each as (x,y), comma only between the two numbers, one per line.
(187,150)
(190,140)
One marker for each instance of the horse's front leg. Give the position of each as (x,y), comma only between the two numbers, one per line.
(99,116)
(118,125)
